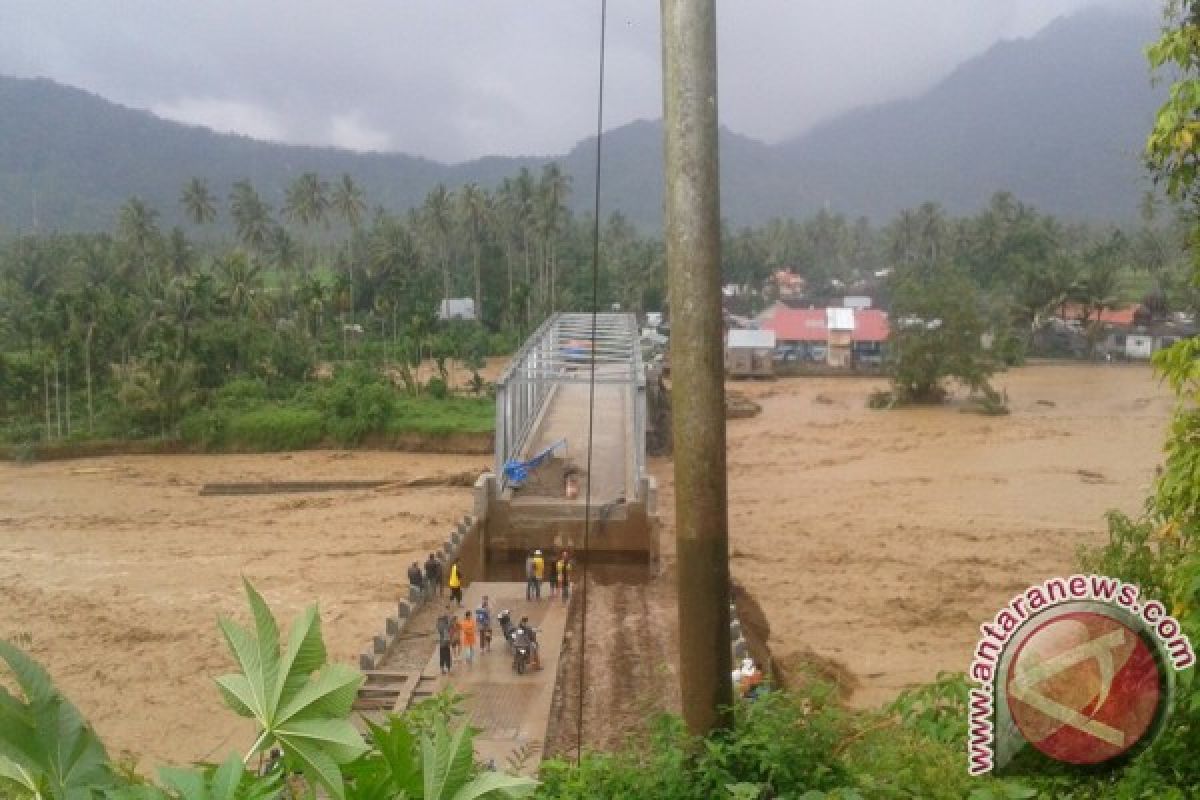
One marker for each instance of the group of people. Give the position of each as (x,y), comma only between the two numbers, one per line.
(458,637)
(560,577)
(430,580)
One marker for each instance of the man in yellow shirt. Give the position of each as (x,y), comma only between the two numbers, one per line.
(455,583)
(539,571)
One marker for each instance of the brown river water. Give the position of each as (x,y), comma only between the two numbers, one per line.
(875,543)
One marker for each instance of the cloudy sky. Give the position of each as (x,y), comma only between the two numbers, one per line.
(456,79)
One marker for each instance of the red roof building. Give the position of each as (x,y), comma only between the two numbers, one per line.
(811,325)
(870,325)
(1122,317)
(798,325)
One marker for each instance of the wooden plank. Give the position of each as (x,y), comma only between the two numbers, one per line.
(383,673)
(374,704)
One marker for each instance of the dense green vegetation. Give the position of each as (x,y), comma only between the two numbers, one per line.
(182,336)
(143,333)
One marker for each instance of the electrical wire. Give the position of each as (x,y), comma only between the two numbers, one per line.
(587,497)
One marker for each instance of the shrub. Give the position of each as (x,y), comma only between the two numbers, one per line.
(275,429)
(206,429)
(783,744)
(357,403)
(242,393)
(881,399)
(436,387)
(503,343)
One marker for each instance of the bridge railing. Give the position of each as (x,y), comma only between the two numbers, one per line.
(561,351)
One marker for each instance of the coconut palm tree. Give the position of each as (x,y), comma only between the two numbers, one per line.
(438,218)
(551,216)
(251,216)
(349,201)
(180,255)
(240,284)
(307,200)
(198,202)
(474,213)
(137,231)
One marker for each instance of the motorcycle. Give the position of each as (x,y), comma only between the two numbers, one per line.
(520,658)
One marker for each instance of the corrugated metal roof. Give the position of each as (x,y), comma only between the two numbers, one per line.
(739,337)
(870,325)
(798,324)
(813,324)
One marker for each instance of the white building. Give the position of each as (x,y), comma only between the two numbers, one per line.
(462,308)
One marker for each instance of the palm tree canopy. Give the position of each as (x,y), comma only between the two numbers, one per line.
(198,202)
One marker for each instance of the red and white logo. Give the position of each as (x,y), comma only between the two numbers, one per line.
(1083,687)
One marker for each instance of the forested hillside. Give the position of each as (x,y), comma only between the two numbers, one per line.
(1057,120)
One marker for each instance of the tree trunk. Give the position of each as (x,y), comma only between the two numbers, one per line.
(46,398)
(87,371)
(478,287)
(67,381)
(57,401)
(508,258)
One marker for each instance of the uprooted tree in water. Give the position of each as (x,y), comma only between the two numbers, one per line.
(936,336)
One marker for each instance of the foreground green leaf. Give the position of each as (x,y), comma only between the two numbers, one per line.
(304,713)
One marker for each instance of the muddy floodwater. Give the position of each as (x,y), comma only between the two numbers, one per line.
(874,542)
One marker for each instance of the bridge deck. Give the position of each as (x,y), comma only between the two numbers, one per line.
(613,471)
(511,711)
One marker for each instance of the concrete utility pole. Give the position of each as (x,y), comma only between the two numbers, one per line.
(693,237)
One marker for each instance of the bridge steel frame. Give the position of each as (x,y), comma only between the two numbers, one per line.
(562,351)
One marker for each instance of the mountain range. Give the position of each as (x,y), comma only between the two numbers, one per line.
(1058,119)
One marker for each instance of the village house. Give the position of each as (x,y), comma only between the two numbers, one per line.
(837,337)
(749,353)
(1129,333)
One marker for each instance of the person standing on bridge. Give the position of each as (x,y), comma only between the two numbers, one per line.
(483,622)
(433,575)
(566,573)
(415,578)
(552,579)
(468,637)
(532,589)
(456,584)
(443,634)
(539,573)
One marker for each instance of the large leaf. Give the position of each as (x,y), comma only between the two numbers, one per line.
(267,634)
(246,652)
(496,784)
(447,761)
(46,747)
(337,737)
(397,748)
(229,781)
(330,694)
(317,766)
(304,655)
(304,714)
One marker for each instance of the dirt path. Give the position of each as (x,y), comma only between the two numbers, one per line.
(629,665)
